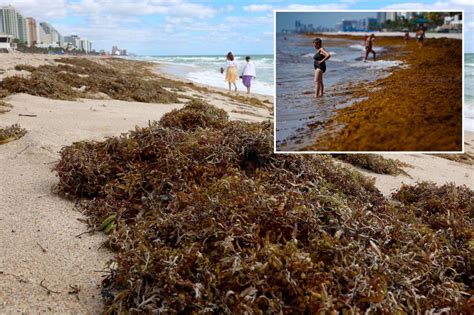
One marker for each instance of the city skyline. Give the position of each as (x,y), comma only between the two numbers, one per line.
(286,20)
(42,35)
(179,27)
(311,22)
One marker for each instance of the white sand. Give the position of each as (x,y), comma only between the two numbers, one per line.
(428,168)
(9,61)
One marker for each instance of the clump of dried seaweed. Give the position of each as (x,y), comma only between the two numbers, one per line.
(25,68)
(39,85)
(442,207)
(13,132)
(61,81)
(373,162)
(465,158)
(4,107)
(208,219)
(197,114)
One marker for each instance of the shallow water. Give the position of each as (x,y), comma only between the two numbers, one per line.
(469,92)
(205,70)
(300,117)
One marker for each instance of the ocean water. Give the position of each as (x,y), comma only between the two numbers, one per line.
(300,117)
(469,92)
(205,69)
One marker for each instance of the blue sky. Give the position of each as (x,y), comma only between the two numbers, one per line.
(182,27)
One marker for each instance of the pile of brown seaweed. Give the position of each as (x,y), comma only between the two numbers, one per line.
(4,107)
(465,158)
(375,163)
(78,77)
(13,132)
(207,219)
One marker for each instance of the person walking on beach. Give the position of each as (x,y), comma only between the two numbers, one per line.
(369,42)
(420,36)
(248,73)
(231,71)
(406,37)
(320,58)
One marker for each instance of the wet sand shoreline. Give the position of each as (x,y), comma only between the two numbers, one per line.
(414,109)
(300,117)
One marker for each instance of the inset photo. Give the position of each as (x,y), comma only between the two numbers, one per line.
(353,81)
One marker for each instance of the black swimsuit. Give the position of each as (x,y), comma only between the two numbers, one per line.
(318,57)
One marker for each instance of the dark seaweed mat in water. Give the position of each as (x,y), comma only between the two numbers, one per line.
(210,220)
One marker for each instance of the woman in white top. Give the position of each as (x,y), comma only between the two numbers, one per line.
(231,71)
(248,73)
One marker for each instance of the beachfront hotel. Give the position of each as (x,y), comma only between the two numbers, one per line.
(31,31)
(13,23)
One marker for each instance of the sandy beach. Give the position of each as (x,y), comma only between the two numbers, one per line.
(38,229)
(426,167)
(45,266)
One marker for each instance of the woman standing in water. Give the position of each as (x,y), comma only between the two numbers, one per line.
(319,66)
(420,36)
(231,71)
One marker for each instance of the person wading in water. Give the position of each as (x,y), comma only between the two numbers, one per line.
(320,58)
(369,42)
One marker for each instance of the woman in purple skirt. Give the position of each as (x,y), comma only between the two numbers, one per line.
(248,73)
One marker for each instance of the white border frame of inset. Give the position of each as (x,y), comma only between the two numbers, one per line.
(360,152)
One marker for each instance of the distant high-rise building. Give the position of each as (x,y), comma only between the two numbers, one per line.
(392,16)
(86,46)
(48,35)
(21,28)
(407,15)
(73,40)
(8,21)
(45,33)
(13,23)
(115,50)
(381,17)
(31,31)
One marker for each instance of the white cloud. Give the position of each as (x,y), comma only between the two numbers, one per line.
(464,2)
(416,6)
(330,6)
(266,20)
(41,9)
(191,9)
(303,7)
(140,8)
(257,7)
(227,8)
